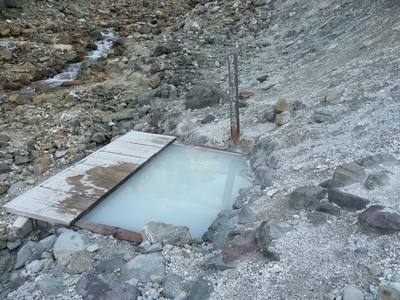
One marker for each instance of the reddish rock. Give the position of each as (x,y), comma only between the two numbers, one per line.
(4,168)
(378,220)
(238,250)
(12,86)
(23,99)
(24,80)
(245,94)
(4,138)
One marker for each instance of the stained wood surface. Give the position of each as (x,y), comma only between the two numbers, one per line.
(65,197)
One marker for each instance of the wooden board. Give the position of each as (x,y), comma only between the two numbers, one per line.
(65,197)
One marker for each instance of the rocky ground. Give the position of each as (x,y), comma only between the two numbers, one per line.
(319,123)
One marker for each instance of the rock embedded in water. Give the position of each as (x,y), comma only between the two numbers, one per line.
(307,197)
(166,234)
(377,219)
(347,201)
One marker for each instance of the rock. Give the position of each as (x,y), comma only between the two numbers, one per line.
(202,95)
(375,270)
(6,54)
(12,86)
(157,247)
(99,137)
(110,265)
(270,255)
(239,249)
(347,201)
(333,97)
(142,267)
(69,242)
(262,78)
(347,174)
(215,263)
(376,220)
(246,215)
(160,50)
(166,234)
(28,252)
(351,292)
(4,168)
(328,208)
(307,197)
(15,187)
(218,231)
(282,118)
(208,119)
(378,160)
(317,217)
(201,290)
(375,180)
(283,105)
(271,230)
(266,175)
(72,58)
(386,292)
(51,286)
(322,115)
(172,286)
(191,26)
(90,286)
(10,4)
(80,262)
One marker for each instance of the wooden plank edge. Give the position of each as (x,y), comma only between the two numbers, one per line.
(117,232)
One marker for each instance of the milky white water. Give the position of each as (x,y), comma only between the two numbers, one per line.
(183,185)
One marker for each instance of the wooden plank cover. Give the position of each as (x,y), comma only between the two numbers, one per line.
(65,197)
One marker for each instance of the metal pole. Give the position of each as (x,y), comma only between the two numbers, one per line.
(234,95)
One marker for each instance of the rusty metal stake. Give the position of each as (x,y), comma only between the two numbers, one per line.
(234,95)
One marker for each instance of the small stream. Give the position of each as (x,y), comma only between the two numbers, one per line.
(73,71)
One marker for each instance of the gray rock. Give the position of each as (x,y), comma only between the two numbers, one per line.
(215,263)
(271,230)
(317,217)
(29,252)
(240,249)
(201,290)
(99,137)
(347,174)
(172,286)
(386,292)
(50,286)
(378,160)
(15,187)
(4,168)
(322,115)
(329,208)
(201,95)
(266,175)
(116,261)
(157,247)
(376,220)
(306,197)
(48,242)
(351,292)
(166,234)
(72,58)
(347,201)
(70,241)
(142,267)
(124,115)
(375,180)
(218,231)
(246,215)
(208,119)
(91,286)
(270,83)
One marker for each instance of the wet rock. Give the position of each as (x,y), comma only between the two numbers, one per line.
(12,86)
(351,292)
(28,253)
(90,286)
(377,219)
(201,290)
(51,286)
(386,292)
(246,215)
(172,286)
(69,242)
(240,249)
(201,95)
(347,201)
(306,197)
(143,267)
(347,174)
(271,230)
(166,234)
(72,58)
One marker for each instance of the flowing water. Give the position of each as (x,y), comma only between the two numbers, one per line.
(183,185)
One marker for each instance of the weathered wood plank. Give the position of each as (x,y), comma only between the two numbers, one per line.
(66,196)
(117,232)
